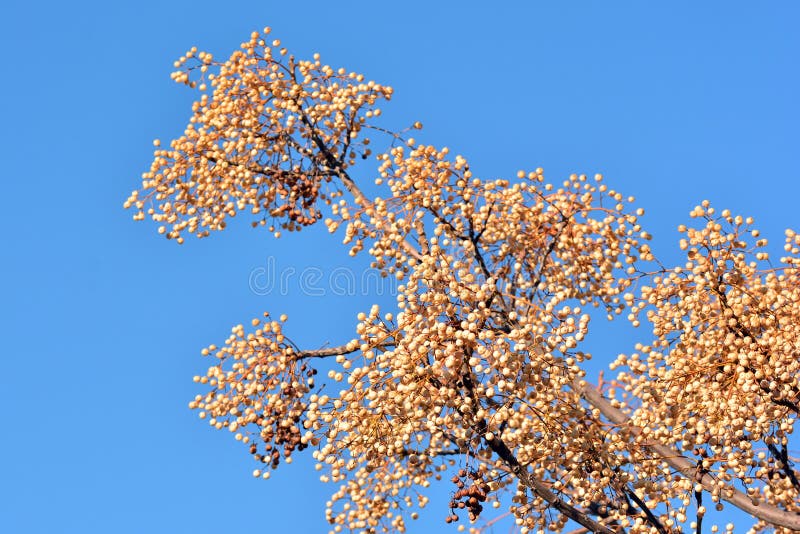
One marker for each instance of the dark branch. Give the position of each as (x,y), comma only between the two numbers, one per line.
(782,456)
(538,487)
(652,519)
(325,352)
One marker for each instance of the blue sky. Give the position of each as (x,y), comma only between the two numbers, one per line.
(103,319)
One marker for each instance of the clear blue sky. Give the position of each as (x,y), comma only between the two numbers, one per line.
(103,320)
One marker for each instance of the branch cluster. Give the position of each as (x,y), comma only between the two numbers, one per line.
(480,365)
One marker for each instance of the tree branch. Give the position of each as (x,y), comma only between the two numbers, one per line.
(782,456)
(766,512)
(348,182)
(538,487)
(541,490)
(325,352)
(652,519)
(432,452)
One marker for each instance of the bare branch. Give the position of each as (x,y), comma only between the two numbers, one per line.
(652,519)
(326,352)
(782,456)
